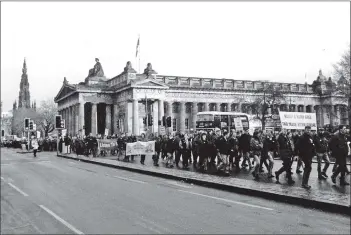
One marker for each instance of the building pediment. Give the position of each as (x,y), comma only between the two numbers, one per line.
(65,90)
(338,93)
(149,83)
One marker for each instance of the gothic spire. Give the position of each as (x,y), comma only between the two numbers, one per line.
(14,106)
(24,95)
(24,69)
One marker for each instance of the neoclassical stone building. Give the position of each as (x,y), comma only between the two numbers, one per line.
(118,104)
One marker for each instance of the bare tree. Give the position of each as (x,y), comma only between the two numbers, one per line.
(46,115)
(270,98)
(342,70)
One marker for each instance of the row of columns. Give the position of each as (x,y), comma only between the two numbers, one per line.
(74,117)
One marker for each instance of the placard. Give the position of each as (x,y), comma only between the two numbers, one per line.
(137,148)
(238,124)
(298,120)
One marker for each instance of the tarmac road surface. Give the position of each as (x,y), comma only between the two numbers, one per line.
(55,195)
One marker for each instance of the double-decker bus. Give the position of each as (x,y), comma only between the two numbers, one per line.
(223,120)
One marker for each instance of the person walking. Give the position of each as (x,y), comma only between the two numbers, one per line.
(244,146)
(307,150)
(35,145)
(223,150)
(339,148)
(321,143)
(142,156)
(269,147)
(256,149)
(204,148)
(185,150)
(285,152)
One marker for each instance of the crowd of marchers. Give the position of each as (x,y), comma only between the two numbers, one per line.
(223,152)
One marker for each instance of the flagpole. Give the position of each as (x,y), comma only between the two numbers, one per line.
(139,53)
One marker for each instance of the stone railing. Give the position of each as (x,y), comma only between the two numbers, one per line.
(173,81)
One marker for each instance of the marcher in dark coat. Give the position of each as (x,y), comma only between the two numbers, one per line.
(244,146)
(171,147)
(285,151)
(61,144)
(204,147)
(339,148)
(321,143)
(307,150)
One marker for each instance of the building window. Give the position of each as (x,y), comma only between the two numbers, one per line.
(187,123)
(174,124)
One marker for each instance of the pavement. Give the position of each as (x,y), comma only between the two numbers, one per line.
(48,194)
(323,195)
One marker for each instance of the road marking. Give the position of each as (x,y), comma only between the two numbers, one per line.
(127,179)
(227,200)
(18,190)
(61,220)
(180,185)
(148,227)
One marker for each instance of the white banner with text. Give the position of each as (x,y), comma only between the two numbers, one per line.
(297,120)
(144,148)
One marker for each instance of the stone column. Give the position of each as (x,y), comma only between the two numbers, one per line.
(160,110)
(74,120)
(194,109)
(169,113)
(228,105)
(108,119)
(206,107)
(239,107)
(71,119)
(115,119)
(303,108)
(338,114)
(94,119)
(182,117)
(81,118)
(135,117)
(218,107)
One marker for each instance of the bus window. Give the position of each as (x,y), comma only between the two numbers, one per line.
(224,121)
(217,121)
(245,122)
(204,117)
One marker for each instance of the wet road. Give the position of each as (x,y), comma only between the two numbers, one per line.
(55,195)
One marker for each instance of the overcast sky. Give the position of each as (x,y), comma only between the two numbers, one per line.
(237,40)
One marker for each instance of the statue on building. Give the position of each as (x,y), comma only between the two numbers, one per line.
(149,71)
(97,71)
(129,68)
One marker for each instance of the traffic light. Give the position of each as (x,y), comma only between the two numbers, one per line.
(117,124)
(31,125)
(151,120)
(26,123)
(169,121)
(63,124)
(144,120)
(58,119)
(159,122)
(164,121)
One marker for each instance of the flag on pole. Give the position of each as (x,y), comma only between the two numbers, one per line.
(137,47)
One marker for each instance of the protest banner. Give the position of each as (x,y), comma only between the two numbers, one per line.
(107,144)
(298,120)
(137,148)
(238,124)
